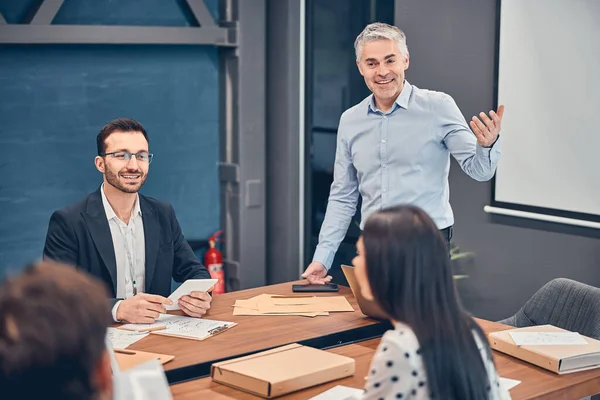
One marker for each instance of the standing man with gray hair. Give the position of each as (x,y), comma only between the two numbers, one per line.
(394,147)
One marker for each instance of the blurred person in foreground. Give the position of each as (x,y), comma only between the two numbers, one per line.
(53,321)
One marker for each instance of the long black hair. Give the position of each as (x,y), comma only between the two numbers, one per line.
(409,272)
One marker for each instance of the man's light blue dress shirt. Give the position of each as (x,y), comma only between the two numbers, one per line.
(400,157)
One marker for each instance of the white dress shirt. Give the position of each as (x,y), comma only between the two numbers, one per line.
(129,245)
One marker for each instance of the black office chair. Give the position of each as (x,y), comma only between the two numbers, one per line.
(564,303)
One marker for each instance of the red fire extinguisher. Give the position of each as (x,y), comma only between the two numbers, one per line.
(213,260)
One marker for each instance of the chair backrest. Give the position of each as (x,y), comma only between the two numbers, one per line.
(565,303)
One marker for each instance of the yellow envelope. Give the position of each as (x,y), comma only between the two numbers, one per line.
(249,311)
(306,303)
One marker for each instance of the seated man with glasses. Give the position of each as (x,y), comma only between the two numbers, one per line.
(131,242)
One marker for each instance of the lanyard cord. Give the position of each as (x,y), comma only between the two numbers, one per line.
(129,251)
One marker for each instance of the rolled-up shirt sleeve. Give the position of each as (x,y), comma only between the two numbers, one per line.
(476,161)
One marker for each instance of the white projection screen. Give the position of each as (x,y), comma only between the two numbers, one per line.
(549,81)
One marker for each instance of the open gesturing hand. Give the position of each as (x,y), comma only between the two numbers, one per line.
(487,128)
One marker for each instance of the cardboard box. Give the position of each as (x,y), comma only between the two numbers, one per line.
(559,359)
(282,370)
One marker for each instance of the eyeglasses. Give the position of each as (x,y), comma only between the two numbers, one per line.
(142,156)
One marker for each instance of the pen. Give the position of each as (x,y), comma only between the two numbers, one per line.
(156,328)
(217,329)
(121,351)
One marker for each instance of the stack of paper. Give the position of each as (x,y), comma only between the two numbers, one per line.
(547,338)
(306,306)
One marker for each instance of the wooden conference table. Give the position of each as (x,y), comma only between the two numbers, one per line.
(256,333)
(536,383)
(354,335)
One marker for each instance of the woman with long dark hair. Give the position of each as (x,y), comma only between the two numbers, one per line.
(436,350)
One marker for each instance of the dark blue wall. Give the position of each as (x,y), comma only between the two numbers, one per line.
(55,98)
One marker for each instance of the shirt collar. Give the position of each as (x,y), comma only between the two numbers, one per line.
(401,100)
(110,213)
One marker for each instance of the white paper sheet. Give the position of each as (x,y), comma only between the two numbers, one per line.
(194,328)
(143,382)
(339,393)
(547,338)
(508,383)
(191,285)
(120,339)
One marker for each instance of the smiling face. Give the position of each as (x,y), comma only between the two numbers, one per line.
(382,65)
(128,176)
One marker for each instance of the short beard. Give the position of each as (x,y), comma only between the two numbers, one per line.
(113,180)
